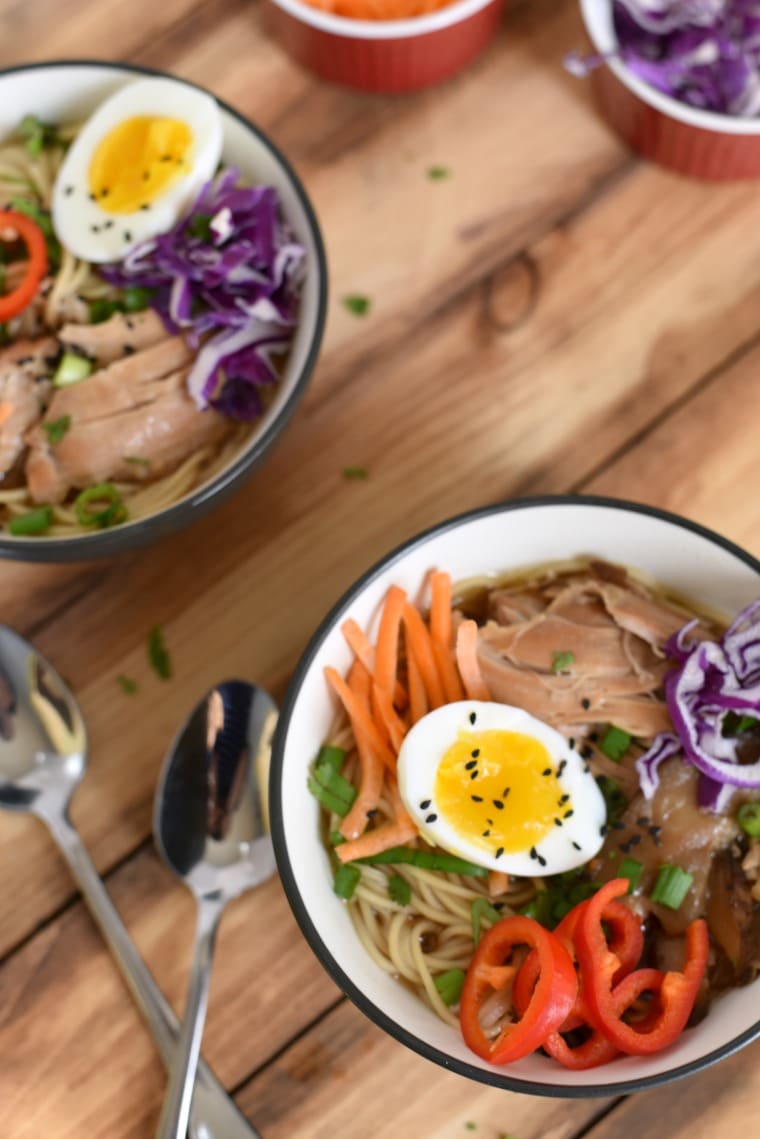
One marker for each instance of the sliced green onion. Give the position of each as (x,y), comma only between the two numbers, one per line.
(100,506)
(438,173)
(336,838)
(103,309)
(158,654)
(541,909)
(748,818)
(329,801)
(34,522)
(346,880)
(614,798)
(399,890)
(56,429)
(355,473)
(481,909)
(37,135)
(334,782)
(615,743)
(631,869)
(357,304)
(72,369)
(426,860)
(334,756)
(562,662)
(136,299)
(671,887)
(449,986)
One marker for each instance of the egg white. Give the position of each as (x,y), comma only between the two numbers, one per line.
(93,234)
(565,847)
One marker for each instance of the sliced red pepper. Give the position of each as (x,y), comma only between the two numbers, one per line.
(599,966)
(33,238)
(550,1001)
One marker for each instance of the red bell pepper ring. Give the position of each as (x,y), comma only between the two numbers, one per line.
(550,1001)
(599,967)
(36,265)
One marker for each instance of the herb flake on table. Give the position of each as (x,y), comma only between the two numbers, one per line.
(438,173)
(128,685)
(158,654)
(355,474)
(357,304)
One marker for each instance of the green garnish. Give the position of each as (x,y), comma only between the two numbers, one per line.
(100,506)
(470,1126)
(326,783)
(671,887)
(127,685)
(357,304)
(41,218)
(333,756)
(34,522)
(449,986)
(399,890)
(748,818)
(562,893)
(37,135)
(158,654)
(438,173)
(136,299)
(336,838)
(332,781)
(102,309)
(615,743)
(631,869)
(614,798)
(346,880)
(355,473)
(562,662)
(56,430)
(481,909)
(329,801)
(72,369)
(734,724)
(200,226)
(426,860)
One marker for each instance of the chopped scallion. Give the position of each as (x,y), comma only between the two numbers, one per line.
(615,743)
(355,473)
(449,986)
(562,662)
(438,173)
(481,910)
(748,818)
(671,887)
(329,801)
(357,304)
(346,880)
(127,685)
(399,890)
(333,781)
(100,506)
(631,869)
(426,859)
(336,838)
(333,756)
(136,299)
(37,135)
(72,369)
(32,523)
(158,654)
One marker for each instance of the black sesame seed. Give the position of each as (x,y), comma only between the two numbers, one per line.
(541,861)
(568,814)
(68,191)
(564,799)
(146,175)
(654,831)
(625,847)
(643,821)
(95,228)
(547,771)
(593,737)
(91,197)
(108,224)
(586,769)
(430,818)
(499,852)
(474,774)
(618,825)
(424,804)
(505,792)
(577,845)
(490,822)
(477,798)
(371,813)
(585,704)
(635,839)
(533,852)
(475,752)
(571,743)
(587,752)
(127,235)
(562,766)
(145,206)
(498,804)
(129,350)
(486,834)
(165,158)
(104,192)
(473,717)
(558,823)
(603,829)
(469,766)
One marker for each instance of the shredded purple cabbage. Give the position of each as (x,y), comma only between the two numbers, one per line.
(702,52)
(228,277)
(710,680)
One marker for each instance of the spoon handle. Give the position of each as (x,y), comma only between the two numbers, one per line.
(176,1109)
(214,1115)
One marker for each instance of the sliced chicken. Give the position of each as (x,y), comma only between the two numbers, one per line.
(137,444)
(120,335)
(122,385)
(25,371)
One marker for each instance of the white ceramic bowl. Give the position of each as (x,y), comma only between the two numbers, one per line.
(676,552)
(69,91)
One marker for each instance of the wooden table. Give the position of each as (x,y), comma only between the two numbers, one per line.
(555,315)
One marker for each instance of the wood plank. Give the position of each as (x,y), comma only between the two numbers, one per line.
(77,1059)
(346,1078)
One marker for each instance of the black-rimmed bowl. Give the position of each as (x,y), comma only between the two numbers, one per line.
(679,554)
(70,90)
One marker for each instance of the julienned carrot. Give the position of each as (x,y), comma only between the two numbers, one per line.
(397,803)
(384,713)
(440,608)
(386,653)
(370,766)
(418,705)
(419,645)
(467,661)
(360,644)
(360,682)
(361,720)
(447,670)
(375,841)
(498,883)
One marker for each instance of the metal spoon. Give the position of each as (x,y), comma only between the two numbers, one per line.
(209,828)
(43,757)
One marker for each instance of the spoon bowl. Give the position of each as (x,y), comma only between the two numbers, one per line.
(209,824)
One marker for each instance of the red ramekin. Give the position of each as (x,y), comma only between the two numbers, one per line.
(390,56)
(703,144)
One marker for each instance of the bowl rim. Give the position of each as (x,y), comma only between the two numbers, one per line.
(287,877)
(592,12)
(193,505)
(452,13)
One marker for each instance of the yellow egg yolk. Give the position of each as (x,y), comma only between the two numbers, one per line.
(137,161)
(500,790)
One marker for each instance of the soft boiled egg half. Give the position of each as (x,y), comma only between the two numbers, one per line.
(134,167)
(498,787)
